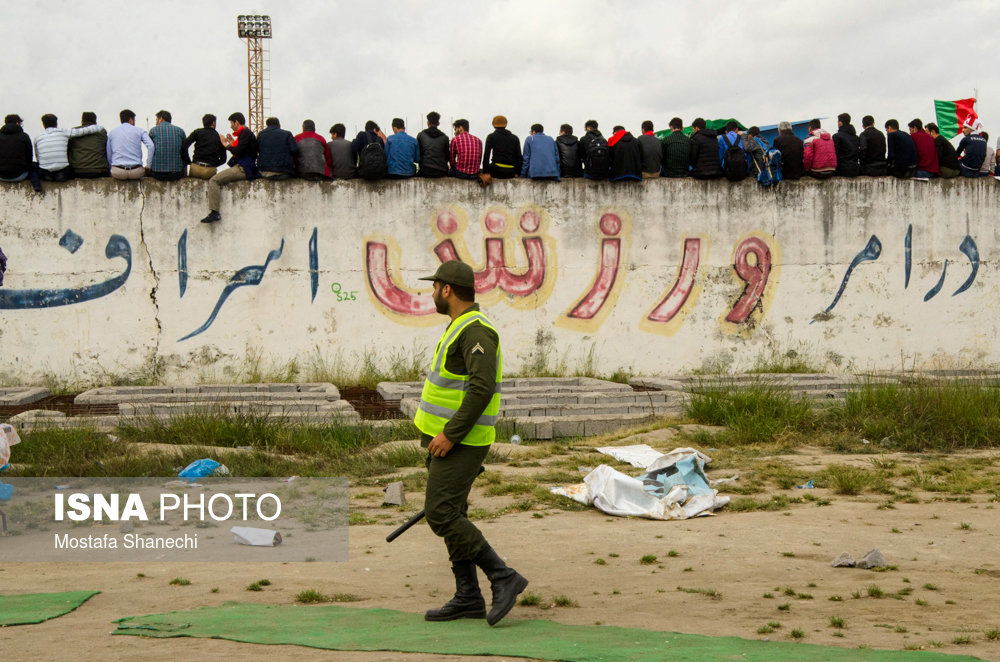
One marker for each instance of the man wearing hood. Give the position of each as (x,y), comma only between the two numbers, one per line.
(433,144)
(705,162)
(502,152)
(15,153)
(847,146)
(569,153)
(626,156)
(819,156)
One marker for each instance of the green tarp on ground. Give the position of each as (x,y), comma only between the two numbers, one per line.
(351,629)
(38,607)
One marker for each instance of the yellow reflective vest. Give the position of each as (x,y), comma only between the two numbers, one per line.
(444,391)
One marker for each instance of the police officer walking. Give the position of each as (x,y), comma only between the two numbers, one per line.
(459,407)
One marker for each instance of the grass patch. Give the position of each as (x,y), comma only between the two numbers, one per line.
(708,592)
(756,413)
(648,559)
(312,596)
(180,581)
(563,601)
(836,622)
(530,599)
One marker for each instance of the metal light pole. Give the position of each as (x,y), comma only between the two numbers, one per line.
(255,29)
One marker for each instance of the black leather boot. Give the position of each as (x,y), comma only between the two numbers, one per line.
(468,601)
(505,582)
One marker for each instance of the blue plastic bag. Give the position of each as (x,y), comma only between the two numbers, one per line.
(6,491)
(198,469)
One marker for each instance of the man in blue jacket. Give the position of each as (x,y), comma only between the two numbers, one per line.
(541,155)
(402,152)
(972,149)
(276,149)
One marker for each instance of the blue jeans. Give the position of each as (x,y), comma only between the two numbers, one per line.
(927,175)
(969,172)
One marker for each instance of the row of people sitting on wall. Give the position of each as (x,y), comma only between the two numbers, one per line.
(89,151)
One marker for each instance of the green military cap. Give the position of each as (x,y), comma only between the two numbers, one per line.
(454,272)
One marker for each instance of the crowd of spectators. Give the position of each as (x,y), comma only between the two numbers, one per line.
(91,151)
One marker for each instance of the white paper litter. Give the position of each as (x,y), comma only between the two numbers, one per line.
(615,493)
(248,535)
(8,437)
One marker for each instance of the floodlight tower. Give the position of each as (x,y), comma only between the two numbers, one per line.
(255,28)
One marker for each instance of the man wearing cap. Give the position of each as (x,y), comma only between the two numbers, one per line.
(972,148)
(505,150)
(15,153)
(458,410)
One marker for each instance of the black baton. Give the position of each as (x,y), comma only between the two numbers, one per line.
(416,518)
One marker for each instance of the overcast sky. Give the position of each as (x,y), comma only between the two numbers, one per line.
(531,60)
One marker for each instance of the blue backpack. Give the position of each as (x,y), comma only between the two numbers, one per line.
(770,171)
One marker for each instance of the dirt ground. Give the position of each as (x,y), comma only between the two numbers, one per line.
(953,571)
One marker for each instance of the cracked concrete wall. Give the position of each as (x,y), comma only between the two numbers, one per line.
(658,277)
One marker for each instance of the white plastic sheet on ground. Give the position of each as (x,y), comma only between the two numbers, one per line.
(674,486)
(248,535)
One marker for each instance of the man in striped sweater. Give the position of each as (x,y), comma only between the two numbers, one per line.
(51,146)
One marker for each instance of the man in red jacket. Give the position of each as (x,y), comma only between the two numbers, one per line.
(927,159)
(819,154)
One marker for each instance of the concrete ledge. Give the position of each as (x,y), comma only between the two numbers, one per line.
(17,396)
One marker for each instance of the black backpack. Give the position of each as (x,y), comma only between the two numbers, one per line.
(598,158)
(371,161)
(734,161)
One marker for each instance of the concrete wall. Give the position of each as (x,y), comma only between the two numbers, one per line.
(659,277)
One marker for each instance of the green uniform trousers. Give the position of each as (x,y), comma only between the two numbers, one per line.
(446,501)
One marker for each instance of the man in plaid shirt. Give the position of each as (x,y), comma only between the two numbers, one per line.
(465,153)
(169,159)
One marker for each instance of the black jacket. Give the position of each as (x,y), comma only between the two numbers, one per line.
(208,149)
(705,163)
(947,156)
(276,148)
(792,151)
(433,144)
(871,152)
(847,145)
(902,153)
(15,151)
(626,158)
(504,147)
(570,164)
(652,152)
